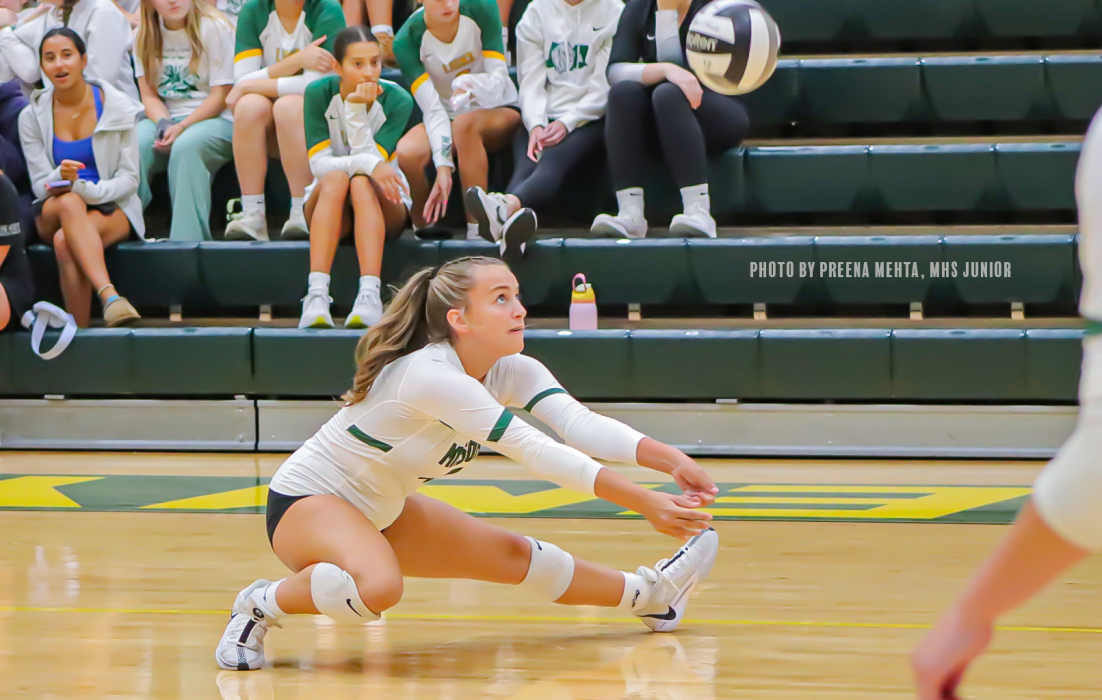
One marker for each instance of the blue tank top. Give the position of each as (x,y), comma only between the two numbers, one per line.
(81,150)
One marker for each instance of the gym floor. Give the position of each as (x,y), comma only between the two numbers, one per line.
(819,595)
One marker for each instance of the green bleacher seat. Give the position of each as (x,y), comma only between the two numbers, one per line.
(934,178)
(7,387)
(807,20)
(807,178)
(1018,165)
(778,101)
(99,362)
(292,363)
(539,272)
(840,364)
(738,271)
(1053,359)
(1042,269)
(624,271)
(590,364)
(158,275)
(709,364)
(959,365)
(912,253)
(1075,83)
(983,88)
(249,274)
(188,361)
(1028,18)
(866,90)
(929,19)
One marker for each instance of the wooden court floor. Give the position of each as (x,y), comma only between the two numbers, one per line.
(130,604)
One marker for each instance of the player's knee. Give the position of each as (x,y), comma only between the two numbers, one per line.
(550,570)
(379,591)
(287,110)
(413,155)
(333,184)
(465,129)
(252,109)
(667,95)
(625,90)
(70,203)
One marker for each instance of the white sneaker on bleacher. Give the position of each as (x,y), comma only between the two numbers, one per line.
(696,222)
(630,224)
(315,311)
(250,227)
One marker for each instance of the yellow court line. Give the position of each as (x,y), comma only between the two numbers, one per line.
(552,618)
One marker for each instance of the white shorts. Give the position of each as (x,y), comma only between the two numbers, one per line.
(1068,493)
(298,478)
(406,199)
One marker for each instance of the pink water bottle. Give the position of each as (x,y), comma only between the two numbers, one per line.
(583,305)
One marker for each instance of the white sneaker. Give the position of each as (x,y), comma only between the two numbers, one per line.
(490,209)
(250,227)
(697,221)
(295,229)
(515,234)
(628,225)
(367,310)
(242,644)
(674,579)
(315,311)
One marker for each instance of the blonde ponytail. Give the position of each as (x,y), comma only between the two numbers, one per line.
(416,317)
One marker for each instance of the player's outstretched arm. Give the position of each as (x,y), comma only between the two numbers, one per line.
(1027,560)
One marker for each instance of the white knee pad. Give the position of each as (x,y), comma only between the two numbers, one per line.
(335,594)
(550,571)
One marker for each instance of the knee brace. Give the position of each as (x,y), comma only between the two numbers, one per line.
(550,570)
(335,594)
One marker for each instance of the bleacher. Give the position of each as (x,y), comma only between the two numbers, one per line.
(941,114)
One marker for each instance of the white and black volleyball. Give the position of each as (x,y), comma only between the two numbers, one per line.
(732,46)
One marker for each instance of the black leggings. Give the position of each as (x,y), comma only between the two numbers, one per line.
(639,115)
(536,185)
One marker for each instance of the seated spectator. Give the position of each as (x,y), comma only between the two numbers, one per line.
(13,14)
(380,15)
(12,163)
(655,99)
(185,72)
(131,10)
(563,93)
(16,285)
(98,23)
(81,143)
(455,63)
(353,123)
(282,46)
(230,8)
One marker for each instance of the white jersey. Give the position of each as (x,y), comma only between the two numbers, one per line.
(425,418)
(1088,195)
(562,58)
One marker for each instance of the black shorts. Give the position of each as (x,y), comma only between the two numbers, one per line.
(107,208)
(278,504)
(15,276)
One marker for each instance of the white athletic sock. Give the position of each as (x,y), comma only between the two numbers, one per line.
(472,232)
(636,593)
(268,598)
(252,203)
(697,194)
(298,202)
(631,201)
(370,283)
(378,29)
(318,282)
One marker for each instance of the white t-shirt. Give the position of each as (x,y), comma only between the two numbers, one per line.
(181,89)
(425,418)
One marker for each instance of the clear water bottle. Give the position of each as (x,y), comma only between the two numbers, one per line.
(583,305)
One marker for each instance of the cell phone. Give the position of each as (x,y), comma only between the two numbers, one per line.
(163,126)
(58,187)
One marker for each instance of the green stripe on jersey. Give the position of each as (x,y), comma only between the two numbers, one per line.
(500,426)
(368,440)
(543,395)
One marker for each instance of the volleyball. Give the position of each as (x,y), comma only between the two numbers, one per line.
(732,46)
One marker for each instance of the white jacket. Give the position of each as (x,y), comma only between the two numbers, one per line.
(106,33)
(562,53)
(114,144)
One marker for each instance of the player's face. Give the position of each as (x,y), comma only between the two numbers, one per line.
(361,63)
(442,11)
(494,315)
(62,63)
(173,12)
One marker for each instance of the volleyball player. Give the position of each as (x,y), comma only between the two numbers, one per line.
(1062,521)
(434,377)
